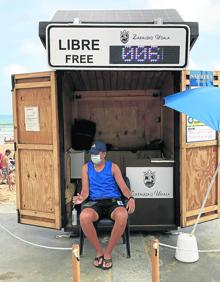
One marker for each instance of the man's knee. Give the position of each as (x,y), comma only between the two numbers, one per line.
(120,215)
(87,215)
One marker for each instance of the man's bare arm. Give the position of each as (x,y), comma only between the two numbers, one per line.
(85,187)
(85,182)
(120,181)
(124,188)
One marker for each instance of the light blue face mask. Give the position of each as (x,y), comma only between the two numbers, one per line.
(96,159)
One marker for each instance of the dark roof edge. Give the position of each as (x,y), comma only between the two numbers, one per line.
(194,28)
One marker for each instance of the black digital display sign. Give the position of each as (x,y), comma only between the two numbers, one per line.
(150,55)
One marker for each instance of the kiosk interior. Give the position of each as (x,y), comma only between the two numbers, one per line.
(118,101)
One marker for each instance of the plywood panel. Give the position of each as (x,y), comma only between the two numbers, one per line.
(37,182)
(205,210)
(31,84)
(201,165)
(202,219)
(32,76)
(198,163)
(33,79)
(40,98)
(125,119)
(37,155)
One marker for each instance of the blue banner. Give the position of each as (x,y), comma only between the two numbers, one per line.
(201,78)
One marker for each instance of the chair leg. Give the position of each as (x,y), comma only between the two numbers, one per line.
(127,235)
(81,241)
(124,238)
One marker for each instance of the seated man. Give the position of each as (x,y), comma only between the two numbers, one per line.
(101,180)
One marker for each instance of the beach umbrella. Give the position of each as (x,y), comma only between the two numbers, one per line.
(202,104)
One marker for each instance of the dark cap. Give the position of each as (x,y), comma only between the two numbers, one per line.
(98,147)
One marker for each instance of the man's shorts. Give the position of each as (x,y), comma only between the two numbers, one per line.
(104,207)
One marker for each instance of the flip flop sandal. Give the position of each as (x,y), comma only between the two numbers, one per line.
(97,259)
(106,261)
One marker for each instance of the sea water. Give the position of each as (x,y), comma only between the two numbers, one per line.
(6,128)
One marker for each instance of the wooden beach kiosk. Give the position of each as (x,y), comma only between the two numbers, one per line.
(111,91)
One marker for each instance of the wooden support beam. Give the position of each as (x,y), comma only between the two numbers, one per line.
(75,263)
(155,263)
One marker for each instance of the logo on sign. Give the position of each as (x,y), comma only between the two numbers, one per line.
(190,120)
(124,36)
(149,178)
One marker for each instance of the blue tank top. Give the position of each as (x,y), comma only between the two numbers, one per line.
(102,185)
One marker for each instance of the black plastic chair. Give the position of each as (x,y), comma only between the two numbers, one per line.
(106,223)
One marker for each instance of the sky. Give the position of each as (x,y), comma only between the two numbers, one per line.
(21,50)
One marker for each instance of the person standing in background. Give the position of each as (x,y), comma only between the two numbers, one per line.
(1,176)
(5,165)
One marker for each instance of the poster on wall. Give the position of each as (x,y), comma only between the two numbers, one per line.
(201,78)
(197,131)
(32,122)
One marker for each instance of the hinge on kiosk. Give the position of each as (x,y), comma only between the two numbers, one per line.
(13,82)
(76,21)
(158,21)
(18,216)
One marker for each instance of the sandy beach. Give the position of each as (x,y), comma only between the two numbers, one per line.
(7,196)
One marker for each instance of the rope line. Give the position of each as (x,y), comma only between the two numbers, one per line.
(200,251)
(69,249)
(33,244)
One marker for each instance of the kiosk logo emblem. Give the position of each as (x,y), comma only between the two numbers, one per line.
(149,178)
(124,36)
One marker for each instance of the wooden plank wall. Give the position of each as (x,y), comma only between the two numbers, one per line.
(198,161)
(40,96)
(123,118)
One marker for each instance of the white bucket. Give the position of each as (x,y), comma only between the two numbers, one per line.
(187,242)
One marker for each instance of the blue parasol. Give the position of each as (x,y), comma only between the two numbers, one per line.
(202,104)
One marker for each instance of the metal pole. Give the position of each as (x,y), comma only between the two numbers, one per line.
(155,264)
(75,263)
